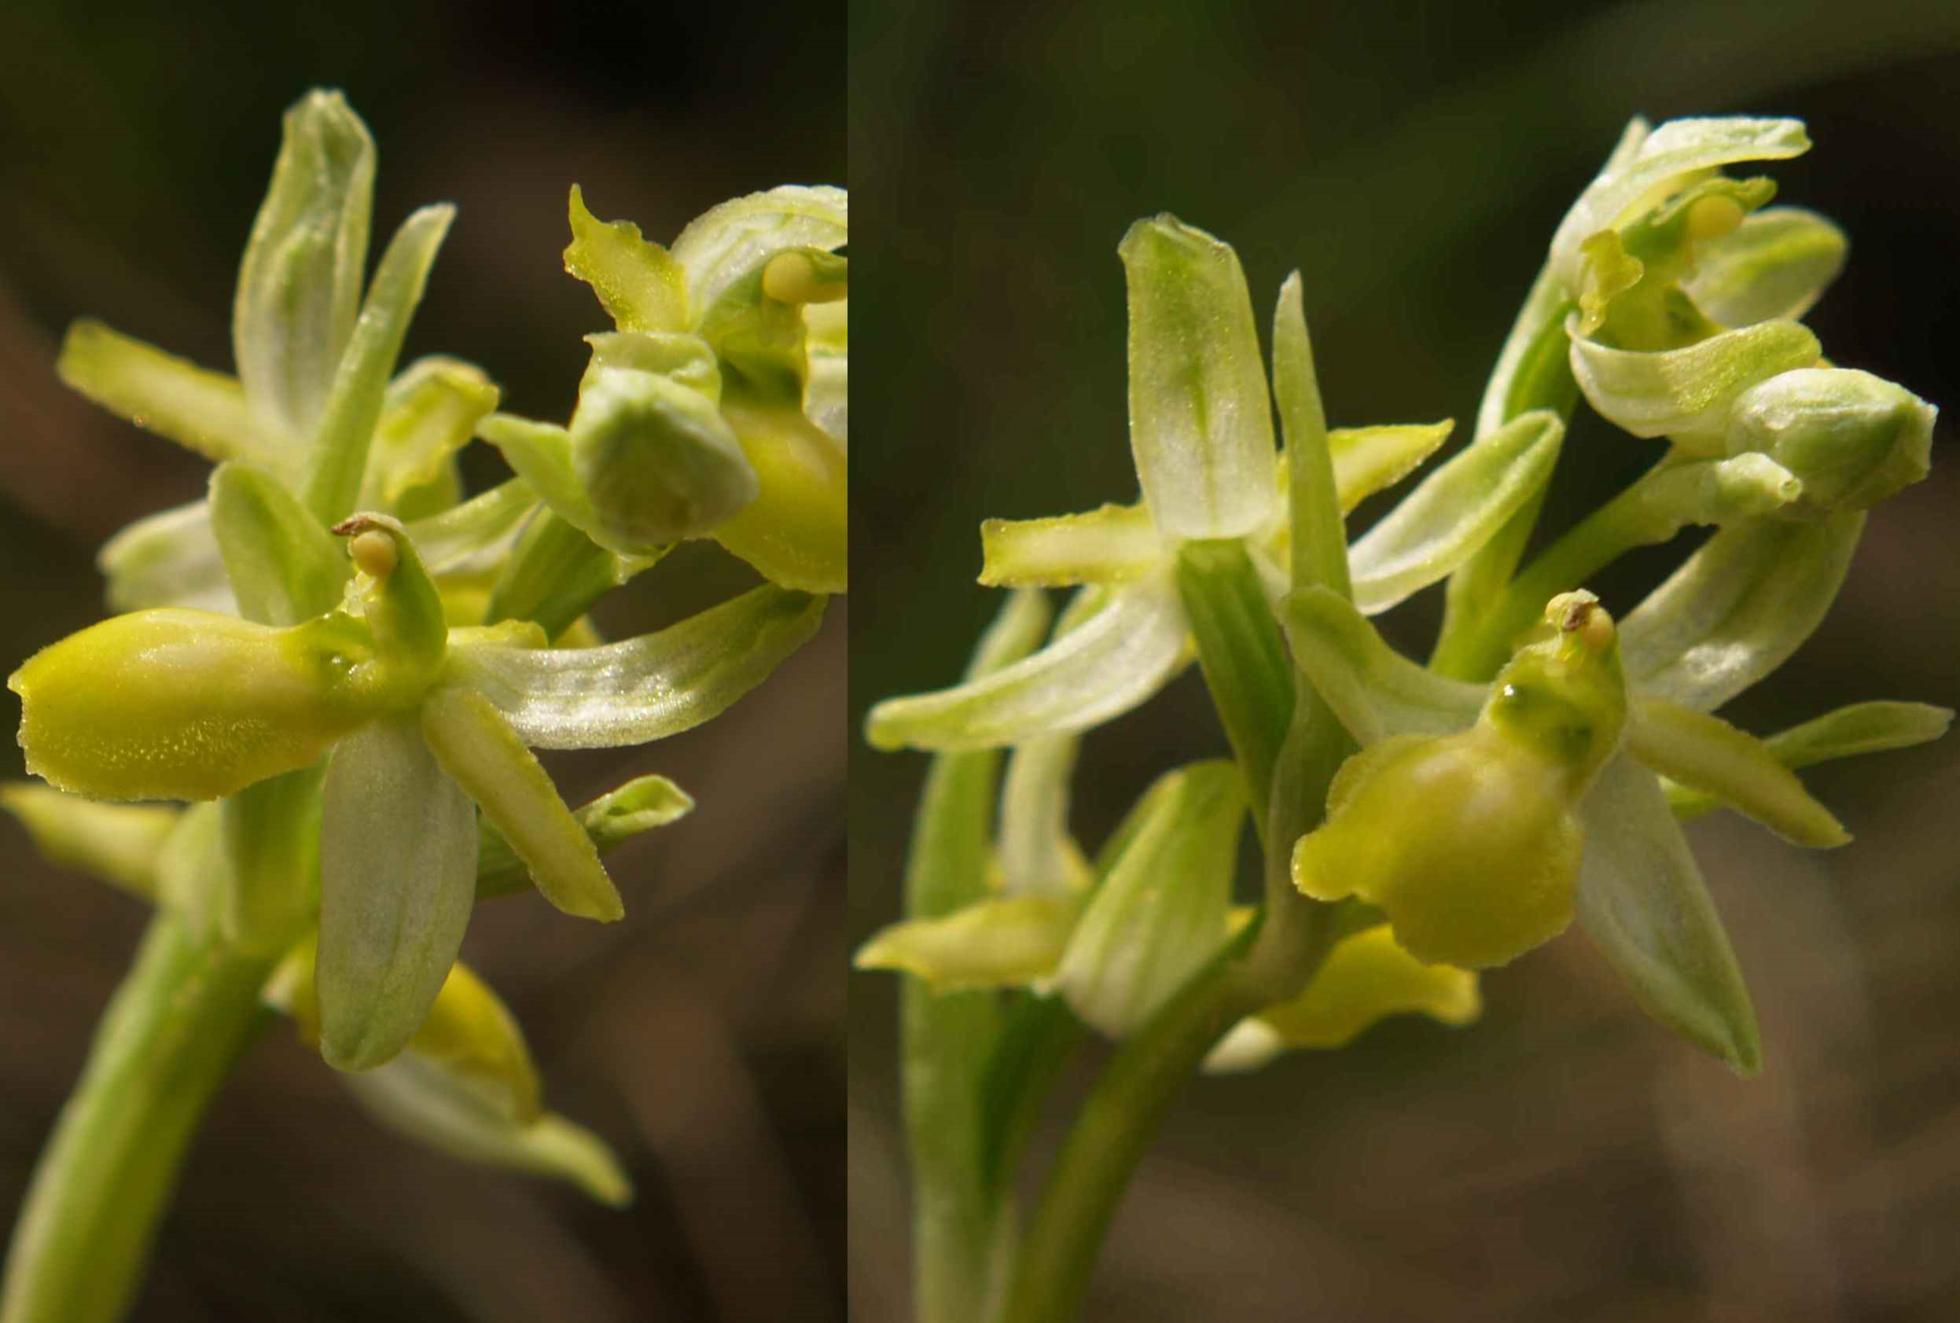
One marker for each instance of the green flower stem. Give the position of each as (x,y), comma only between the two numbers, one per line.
(949,1040)
(1243,656)
(177,1025)
(1533,372)
(1291,749)
(1627,521)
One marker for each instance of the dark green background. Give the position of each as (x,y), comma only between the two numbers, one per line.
(1564,1159)
(700,1036)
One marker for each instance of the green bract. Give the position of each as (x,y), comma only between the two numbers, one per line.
(343,665)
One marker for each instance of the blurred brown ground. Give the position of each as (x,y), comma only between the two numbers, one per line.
(1563,1159)
(701,1035)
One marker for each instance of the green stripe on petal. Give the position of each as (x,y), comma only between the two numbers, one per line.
(397,881)
(300,282)
(1201,425)
(336,462)
(477,747)
(1708,754)
(1104,667)
(1113,544)
(1373,690)
(645,688)
(201,410)
(1455,511)
(1644,904)
(1737,608)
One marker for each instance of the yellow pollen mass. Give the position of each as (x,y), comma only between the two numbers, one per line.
(374,552)
(792,278)
(1713,217)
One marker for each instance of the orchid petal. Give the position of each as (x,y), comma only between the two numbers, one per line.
(1644,904)
(1373,690)
(1111,663)
(201,410)
(397,881)
(645,688)
(1113,544)
(1706,753)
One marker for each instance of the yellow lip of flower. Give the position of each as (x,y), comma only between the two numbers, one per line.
(1469,841)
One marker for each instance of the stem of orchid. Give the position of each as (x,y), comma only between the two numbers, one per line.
(181,1019)
(1627,521)
(1243,656)
(1108,1139)
(1534,371)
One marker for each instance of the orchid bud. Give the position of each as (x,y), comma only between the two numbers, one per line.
(1469,841)
(656,458)
(1852,438)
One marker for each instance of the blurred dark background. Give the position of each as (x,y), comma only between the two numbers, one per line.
(701,1035)
(1564,1158)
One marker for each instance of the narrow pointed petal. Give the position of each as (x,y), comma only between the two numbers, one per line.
(1009,942)
(1455,511)
(1373,459)
(1706,753)
(645,688)
(642,804)
(300,282)
(639,283)
(1113,544)
(1037,855)
(201,410)
(477,747)
(397,880)
(1365,978)
(426,1103)
(1108,665)
(1685,394)
(1374,690)
(170,558)
(283,564)
(429,412)
(1645,906)
(1775,266)
(337,457)
(1164,909)
(1649,165)
(115,842)
(1737,608)
(1849,732)
(1201,426)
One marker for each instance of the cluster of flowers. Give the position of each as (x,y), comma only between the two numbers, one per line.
(1539,765)
(342,665)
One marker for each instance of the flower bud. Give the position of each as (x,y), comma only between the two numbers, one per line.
(1852,438)
(1468,842)
(656,458)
